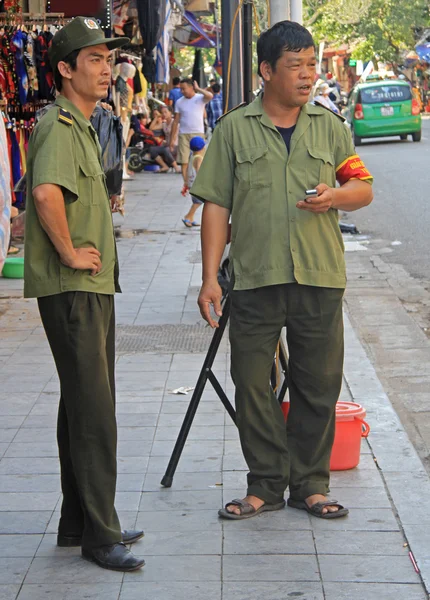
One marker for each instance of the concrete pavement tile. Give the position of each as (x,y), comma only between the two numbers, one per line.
(33,449)
(130,482)
(356,478)
(370,543)
(127,501)
(147,408)
(196,433)
(25,501)
(268,542)
(200,420)
(178,543)
(40,421)
(168,500)
(137,420)
(22,466)
(185,481)
(367,569)
(410,492)
(24,522)
(287,567)
(273,591)
(19,546)
(101,591)
(361,497)
(12,421)
(374,591)
(188,464)
(418,537)
(49,548)
(30,483)
(362,519)
(9,592)
(138,398)
(17,405)
(234,480)
(180,407)
(132,464)
(231,432)
(7,435)
(3,448)
(192,447)
(179,520)
(69,569)
(13,570)
(168,590)
(131,434)
(234,462)
(169,569)
(408,461)
(134,448)
(34,435)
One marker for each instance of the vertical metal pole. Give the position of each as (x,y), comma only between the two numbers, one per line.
(296,11)
(247,52)
(228,9)
(279,10)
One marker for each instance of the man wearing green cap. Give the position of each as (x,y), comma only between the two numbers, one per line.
(72,269)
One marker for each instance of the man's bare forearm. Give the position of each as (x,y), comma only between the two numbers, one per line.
(49,203)
(214,238)
(353,195)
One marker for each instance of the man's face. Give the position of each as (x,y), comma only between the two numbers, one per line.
(293,77)
(187,90)
(92,76)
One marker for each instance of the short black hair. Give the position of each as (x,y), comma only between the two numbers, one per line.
(141,116)
(188,81)
(72,60)
(285,36)
(176,80)
(216,88)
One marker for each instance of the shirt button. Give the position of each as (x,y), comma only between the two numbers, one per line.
(292,219)
(293,249)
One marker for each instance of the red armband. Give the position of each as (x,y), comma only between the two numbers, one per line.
(352,168)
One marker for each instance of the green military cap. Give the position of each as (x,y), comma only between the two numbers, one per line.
(81,32)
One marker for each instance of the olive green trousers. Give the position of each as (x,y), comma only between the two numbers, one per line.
(80,327)
(296,455)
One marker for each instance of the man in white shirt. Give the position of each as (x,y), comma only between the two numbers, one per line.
(189,118)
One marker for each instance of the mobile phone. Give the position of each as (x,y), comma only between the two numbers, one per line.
(311,194)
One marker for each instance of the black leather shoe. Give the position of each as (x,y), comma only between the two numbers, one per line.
(69,541)
(116,557)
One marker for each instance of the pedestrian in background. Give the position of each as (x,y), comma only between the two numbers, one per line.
(73,273)
(198,149)
(175,93)
(215,107)
(323,98)
(189,120)
(287,269)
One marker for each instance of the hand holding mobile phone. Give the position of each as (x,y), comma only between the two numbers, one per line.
(311,194)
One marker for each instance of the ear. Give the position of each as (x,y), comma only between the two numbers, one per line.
(266,70)
(65,70)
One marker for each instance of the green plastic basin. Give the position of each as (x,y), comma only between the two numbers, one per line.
(14,267)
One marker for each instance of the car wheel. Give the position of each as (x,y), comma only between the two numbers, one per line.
(416,136)
(404,137)
(356,138)
(135,163)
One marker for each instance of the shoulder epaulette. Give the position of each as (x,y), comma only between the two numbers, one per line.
(330,111)
(65,117)
(232,109)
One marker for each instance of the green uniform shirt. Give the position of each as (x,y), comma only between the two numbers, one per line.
(248,170)
(64,150)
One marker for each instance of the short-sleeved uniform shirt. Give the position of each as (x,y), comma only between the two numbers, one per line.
(248,170)
(64,151)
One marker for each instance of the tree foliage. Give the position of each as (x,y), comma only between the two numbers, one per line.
(381,29)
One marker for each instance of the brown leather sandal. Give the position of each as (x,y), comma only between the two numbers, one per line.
(247,510)
(316,509)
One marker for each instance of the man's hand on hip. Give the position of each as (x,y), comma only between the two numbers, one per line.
(321,203)
(210,294)
(84,259)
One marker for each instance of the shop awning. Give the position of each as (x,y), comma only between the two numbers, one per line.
(199,29)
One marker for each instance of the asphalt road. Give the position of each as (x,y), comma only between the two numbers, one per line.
(400,211)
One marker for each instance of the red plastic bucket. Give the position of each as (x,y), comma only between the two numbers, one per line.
(350,428)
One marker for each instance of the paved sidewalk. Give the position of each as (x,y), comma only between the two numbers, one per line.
(190,554)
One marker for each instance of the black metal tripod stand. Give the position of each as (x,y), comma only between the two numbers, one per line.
(207,374)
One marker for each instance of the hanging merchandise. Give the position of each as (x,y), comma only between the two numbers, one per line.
(163,45)
(5,195)
(152,15)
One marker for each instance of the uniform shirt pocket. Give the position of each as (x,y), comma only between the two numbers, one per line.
(321,168)
(90,182)
(253,167)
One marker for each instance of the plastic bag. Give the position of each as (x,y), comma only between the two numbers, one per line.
(109,131)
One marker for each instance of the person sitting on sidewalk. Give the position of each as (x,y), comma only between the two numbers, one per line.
(73,273)
(288,270)
(189,120)
(158,151)
(197,146)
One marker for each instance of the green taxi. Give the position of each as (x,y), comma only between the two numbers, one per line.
(383,108)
